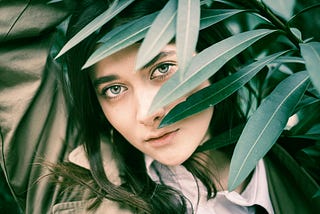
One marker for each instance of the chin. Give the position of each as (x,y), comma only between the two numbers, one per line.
(172,162)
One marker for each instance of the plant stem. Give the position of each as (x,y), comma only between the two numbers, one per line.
(267,13)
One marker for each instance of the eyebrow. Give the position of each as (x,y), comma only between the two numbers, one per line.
(162,54)
(113,77)
(104,79)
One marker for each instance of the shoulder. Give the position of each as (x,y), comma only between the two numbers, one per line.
(73,202)
(81,207)
(79,157)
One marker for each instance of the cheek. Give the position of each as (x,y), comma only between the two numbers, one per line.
(118,116)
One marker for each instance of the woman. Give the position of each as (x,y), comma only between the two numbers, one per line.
(126,165)
(159,168)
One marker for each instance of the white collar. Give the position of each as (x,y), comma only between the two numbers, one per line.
(79,157)
(256,191)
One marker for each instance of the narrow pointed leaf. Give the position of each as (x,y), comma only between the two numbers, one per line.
(307,117)
(204,65)
(283,8)
(54,1)
(289,59)
(217,92)
(160,33)
(317,194)
(224,139)
(125,37)
(94,25)
(116,31)
(188,21)
(265,126)
(212,16)
(311,54)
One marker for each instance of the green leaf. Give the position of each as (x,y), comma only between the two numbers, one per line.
(204,65)
(125,36)
(154,42)
(307,117)
(160,33)
(94,25)
(213,16)
(283,8)
(298,15)
(265,126)
(217,92)
(317,194)
(224,139)
(116,31)
(311,54)
(54,1)
(208,3)
(296,32)
(188,21)
(289,59)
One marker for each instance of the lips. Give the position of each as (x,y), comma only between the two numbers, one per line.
(162,139)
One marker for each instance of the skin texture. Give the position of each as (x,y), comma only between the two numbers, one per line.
(125,96)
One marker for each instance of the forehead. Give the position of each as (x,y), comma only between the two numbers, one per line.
(125,57)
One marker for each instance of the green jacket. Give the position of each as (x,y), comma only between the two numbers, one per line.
(34,124)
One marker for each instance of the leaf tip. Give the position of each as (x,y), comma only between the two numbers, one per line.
(58,55)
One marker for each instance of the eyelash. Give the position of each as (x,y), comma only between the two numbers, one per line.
(105,91)
(163,76)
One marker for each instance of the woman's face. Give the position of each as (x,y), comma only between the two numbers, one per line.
(125,96)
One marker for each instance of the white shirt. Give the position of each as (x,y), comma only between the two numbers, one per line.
(178,177)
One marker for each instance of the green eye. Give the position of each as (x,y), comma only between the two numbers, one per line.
(163,70)
(114,91)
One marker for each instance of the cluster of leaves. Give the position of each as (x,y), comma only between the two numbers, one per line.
(287,52)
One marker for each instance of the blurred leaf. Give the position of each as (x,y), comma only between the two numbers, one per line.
(217,92)
(289,59)
(296,32)
(120,38)
(188,21)
(313,133)
(233,4)
(283,8)
(311,54)
(54,1)
(313,151)
(206,2)
(118,30)
(94,25)
(160,33)
(224,139)
(213,16)
(304,10)
(307,118)
(306,101)
(265,126)
(317,194)
(204,65)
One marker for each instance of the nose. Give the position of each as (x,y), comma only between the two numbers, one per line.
(144,101)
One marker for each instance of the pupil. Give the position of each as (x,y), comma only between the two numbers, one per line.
(163,68)
(115,89)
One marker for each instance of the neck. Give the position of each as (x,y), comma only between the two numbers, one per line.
(219,166)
